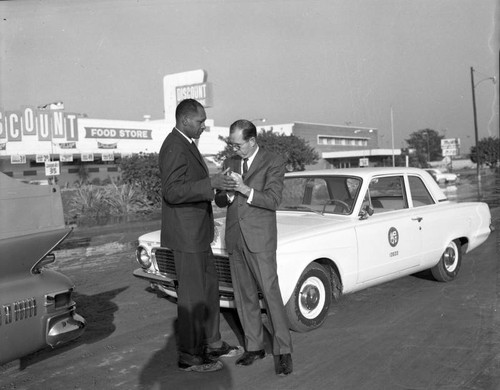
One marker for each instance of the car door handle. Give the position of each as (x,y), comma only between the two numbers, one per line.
(419,219)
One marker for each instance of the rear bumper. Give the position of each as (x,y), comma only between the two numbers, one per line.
(64,328)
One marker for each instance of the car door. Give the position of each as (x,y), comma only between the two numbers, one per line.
(389,241)
(433,219)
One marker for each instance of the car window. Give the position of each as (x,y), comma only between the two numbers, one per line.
(293,191)
(328,194)
(419,194)
(319,193)
(386,194)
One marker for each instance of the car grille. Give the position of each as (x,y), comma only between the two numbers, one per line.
(166,265)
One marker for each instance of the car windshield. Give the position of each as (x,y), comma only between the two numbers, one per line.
(321,194)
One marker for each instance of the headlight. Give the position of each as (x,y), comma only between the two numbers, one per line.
(143,258)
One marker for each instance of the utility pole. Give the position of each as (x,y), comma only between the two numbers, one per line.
(476,138)
(392,138)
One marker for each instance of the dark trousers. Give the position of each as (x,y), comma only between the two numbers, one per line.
(198,312)
(247,271)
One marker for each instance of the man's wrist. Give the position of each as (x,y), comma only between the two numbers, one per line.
(246,190)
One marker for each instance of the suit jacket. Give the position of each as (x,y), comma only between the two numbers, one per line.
(187,222)
(257,221)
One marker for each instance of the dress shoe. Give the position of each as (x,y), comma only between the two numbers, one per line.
(225,350)
(249,357)
(200,364)
(285,365)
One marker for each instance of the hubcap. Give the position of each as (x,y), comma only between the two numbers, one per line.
(312,298)
(450,259)
(309,297)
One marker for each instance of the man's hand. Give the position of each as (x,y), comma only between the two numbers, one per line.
(240,186)
(221,181)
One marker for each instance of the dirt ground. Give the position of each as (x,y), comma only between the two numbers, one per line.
(412,333)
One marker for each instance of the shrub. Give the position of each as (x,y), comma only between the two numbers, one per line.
(124,199)
(142,172)
(88,201)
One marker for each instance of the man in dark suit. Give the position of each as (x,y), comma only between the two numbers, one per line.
(251,241)
(187,228)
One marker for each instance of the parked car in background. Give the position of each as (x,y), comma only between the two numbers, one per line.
(442,177)
(344,230)
(36,305)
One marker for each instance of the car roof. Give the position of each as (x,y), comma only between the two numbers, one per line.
(361,172)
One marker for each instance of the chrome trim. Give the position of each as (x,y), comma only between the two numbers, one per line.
(23,309)
(7,309)
(35,269)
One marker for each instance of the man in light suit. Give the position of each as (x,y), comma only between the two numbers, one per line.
(187,228)
(251,241)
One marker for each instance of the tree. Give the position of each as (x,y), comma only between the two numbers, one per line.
(295,150)
(427,145)
(142,171)
(488,152)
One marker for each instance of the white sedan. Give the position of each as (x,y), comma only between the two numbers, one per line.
(344,230)
(442,177)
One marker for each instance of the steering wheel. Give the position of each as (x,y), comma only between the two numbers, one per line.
(344,205)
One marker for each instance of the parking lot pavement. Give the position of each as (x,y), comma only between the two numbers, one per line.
(412,333)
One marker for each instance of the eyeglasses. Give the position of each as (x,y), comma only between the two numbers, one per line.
(238,146)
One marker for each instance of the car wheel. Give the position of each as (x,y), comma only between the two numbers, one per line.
(308,306)
(449,264)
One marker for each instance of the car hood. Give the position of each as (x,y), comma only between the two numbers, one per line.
(291,226)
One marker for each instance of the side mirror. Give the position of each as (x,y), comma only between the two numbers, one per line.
(366,212)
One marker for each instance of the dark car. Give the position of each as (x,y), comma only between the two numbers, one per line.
(36,305)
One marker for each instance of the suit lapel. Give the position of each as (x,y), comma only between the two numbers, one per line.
(256,163)
(193,149)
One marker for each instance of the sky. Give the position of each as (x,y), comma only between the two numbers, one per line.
(320,61)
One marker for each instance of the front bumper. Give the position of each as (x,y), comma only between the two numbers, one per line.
(168,287)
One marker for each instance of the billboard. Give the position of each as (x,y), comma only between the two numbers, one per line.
(450,146)
(200,92)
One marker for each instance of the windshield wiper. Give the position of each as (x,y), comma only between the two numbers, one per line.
(304,208)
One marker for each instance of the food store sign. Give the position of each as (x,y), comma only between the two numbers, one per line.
(117,133)
(59,127)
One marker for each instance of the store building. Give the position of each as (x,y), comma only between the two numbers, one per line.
(340,146)
(40,143)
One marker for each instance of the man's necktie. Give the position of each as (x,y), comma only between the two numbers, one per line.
(245,165)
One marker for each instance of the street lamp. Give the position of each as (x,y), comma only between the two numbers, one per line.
(263,120)
(473,87)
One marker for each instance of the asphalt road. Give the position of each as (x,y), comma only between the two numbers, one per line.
(412,333)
